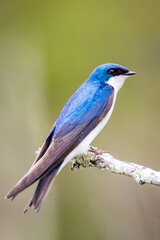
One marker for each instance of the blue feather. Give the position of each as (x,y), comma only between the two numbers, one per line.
(79,110)
(94,91)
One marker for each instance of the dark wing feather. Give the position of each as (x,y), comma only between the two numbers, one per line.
(41,192)
(64,141)
(45,145)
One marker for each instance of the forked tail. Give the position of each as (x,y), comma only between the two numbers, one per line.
(41,192)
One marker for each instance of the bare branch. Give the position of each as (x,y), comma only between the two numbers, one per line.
(105,161)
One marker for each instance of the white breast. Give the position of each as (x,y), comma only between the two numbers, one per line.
(83,146)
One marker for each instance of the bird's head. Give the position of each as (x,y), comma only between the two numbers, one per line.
(112,74)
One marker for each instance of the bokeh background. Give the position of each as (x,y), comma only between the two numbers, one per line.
(47,49)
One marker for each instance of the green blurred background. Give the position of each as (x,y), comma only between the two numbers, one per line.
(47,49)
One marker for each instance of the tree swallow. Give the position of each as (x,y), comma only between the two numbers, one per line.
(82,118)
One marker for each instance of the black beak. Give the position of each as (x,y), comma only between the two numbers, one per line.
(130,73)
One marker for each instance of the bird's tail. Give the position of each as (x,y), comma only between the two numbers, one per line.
(41,192)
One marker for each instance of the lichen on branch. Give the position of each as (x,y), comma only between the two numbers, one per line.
(105,161)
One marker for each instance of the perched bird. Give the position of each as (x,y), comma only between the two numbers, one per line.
(82,118)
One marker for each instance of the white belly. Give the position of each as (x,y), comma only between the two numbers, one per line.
(83,146)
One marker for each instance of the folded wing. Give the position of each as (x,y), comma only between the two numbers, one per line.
(64,141)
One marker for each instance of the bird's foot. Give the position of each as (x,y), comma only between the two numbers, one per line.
(97,152)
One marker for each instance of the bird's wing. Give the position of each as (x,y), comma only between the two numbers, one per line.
(45,146)
(64,141)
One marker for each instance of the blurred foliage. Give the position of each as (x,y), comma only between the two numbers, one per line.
(48,48)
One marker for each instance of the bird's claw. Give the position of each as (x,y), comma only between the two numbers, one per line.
(97,152)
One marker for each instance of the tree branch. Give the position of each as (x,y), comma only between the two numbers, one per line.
(106,161)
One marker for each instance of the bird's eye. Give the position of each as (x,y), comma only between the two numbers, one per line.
(112,71)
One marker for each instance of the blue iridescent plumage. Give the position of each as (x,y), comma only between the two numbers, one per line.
(74,113)
(79,106)
(82,118)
